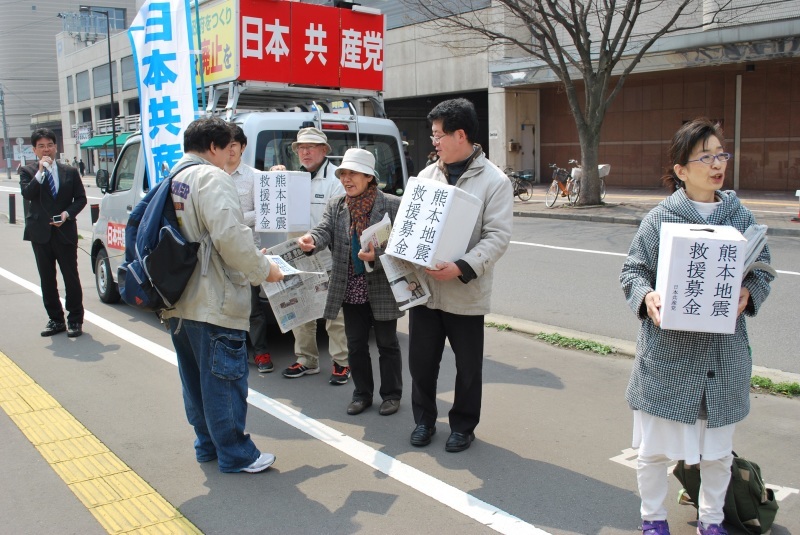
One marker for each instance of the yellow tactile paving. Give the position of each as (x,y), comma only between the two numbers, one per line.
(64,450)
(120,500)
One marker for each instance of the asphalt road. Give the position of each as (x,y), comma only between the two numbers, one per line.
(566,274)
(551,454)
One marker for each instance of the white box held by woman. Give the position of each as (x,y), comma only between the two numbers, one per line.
(699,277)
(433,224)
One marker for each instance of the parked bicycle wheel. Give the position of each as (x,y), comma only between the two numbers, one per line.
(572,192)
(524,190)
(551,195)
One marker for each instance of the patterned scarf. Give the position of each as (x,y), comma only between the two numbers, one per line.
(360,207)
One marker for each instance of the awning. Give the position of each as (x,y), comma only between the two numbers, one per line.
(96,142)
(121,138)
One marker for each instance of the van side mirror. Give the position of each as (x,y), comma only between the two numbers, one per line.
(101,179)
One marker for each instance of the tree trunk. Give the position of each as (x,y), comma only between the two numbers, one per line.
(590,183)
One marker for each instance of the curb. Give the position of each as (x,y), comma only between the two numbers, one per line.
(631,220)
(622,348)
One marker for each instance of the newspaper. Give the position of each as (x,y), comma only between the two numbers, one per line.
(301,296)
(407,286)
(378,235)
(756,236)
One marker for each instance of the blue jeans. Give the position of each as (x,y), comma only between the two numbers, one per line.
(212,362)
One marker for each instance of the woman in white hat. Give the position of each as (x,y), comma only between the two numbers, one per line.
(365,297)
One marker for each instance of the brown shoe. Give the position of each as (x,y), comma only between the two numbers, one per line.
(389,406)
(357,406)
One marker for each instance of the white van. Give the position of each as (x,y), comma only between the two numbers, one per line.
(269,142)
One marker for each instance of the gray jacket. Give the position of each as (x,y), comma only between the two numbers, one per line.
(333,232)
(673,369)
(488,242)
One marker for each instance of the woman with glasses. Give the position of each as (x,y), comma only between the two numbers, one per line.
(688,389)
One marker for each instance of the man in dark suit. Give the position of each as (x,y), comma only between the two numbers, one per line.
(56,196)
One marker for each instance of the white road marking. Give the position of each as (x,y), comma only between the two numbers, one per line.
(591,251)
(458,500)
(629,455)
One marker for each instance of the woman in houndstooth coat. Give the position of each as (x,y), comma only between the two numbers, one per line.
(688,389)
(365,296)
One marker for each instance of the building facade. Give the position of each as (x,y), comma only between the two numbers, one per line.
(29,69)
(746,75)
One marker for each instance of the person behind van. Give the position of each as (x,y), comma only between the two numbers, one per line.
(243,177)
(312,149)
(209,323)
(365,297)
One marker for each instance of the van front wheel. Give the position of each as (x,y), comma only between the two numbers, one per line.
(106,287)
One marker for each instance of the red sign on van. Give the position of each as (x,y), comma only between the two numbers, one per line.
(362,50)
(308,44)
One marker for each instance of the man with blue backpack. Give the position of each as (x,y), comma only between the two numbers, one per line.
(209,322)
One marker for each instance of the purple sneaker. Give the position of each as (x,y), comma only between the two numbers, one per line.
(711,529)
(655,527)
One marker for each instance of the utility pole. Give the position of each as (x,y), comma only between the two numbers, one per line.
(6,145)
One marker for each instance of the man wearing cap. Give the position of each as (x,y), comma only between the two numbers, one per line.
(312,150)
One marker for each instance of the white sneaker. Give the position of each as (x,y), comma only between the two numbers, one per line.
(264,461)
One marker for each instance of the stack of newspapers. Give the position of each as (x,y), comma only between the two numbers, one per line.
(756,236)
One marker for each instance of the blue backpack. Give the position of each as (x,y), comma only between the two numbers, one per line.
(159,261)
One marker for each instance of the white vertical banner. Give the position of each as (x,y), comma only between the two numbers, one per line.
(161,39)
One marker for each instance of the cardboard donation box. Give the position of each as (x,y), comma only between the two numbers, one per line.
(433,224)
(283,201)
(699,277)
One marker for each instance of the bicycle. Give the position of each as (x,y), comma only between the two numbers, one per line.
(563,184)
(522,182)
(577,174)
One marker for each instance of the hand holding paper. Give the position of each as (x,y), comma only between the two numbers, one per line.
(744,298)
(367,254)
(653,303)
(306,243)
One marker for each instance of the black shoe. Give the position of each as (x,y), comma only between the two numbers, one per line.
(53,327)
(458,441)
(357,406)
(421,435)
(389,406)
(74,329)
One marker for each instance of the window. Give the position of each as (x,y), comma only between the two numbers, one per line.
(70,91)
(82,82)
(126,169)
(100,79)
(128,73)
(275,147)
(95,20)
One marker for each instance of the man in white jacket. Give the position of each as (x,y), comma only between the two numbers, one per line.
(209,323)
(312,149)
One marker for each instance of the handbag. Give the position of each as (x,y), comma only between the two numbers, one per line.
(749,504)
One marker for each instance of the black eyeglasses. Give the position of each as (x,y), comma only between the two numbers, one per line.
(708,159)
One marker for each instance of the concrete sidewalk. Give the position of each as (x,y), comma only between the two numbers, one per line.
(629,206)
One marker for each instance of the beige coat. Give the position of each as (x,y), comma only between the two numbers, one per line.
(488,242)
(206,200)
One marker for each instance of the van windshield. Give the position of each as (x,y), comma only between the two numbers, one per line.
(274,147)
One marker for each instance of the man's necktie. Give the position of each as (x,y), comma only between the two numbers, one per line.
(50,182)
